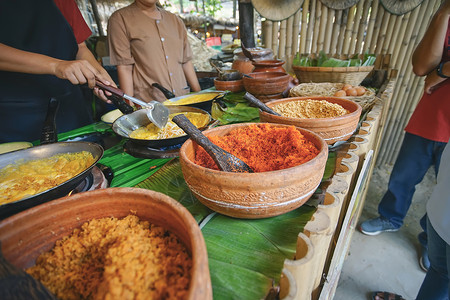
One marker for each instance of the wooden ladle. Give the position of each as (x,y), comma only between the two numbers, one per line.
(224,160)
(258,103)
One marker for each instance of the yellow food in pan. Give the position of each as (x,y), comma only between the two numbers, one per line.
(171,130)
(196,98)
(24,179)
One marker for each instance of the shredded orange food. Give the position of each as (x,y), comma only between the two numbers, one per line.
(110,258)
(263,147)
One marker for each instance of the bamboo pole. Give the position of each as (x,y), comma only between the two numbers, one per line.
(363,27)
(371,26)
(322,28)
(314,26)
(282,40)
(336,30)
(275,28)
(329,30)
(348,30)
(267,29)
(355,24)
(296,32)
(377,28)
(402,33)
(289,30)
(304,28)
(382,33)
(389,32)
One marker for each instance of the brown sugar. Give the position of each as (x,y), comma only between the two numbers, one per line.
(116,259)
(310,109)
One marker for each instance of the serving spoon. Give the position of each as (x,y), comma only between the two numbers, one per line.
(258,103)
(224,160)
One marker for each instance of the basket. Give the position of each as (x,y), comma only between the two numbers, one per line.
(351,75)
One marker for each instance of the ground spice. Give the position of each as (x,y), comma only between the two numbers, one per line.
(263,147)
(310,109)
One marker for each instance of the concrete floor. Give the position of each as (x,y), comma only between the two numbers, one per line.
(389,261)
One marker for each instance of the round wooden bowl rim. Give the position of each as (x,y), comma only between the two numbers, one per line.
(256,174)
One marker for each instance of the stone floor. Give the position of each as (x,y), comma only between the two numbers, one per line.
(389,261)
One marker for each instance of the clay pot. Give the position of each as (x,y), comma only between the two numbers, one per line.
(266,83)
(330,129)
(253,195)
(271,65)
(26,235)
(244,64)
(229,85)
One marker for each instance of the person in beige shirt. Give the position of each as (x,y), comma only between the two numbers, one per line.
(150,45)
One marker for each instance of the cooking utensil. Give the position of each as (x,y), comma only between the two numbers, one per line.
(17,284)
(157,113)
(226,75)
(224,160)
(126,124)
(205,105)
(168,94)
(258,103)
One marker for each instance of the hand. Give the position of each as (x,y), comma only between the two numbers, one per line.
(432,82)
(105,79)
(77,72)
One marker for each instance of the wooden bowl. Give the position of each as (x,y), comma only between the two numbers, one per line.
(266,83)
(229,85)
(253,195)
(330,129)
(26,235)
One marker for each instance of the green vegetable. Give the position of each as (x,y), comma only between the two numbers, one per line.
(334,62)
(324,61)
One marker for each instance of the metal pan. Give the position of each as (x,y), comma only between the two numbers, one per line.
(46,151)
(126,124)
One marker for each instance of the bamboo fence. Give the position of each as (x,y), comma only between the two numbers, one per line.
(365,27)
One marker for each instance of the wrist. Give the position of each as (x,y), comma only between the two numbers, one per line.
(442,70)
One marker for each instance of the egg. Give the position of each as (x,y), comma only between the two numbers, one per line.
(340,93)
(360,90)
(347,86)
(351,92)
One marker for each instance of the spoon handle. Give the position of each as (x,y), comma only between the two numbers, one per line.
(194,133)
(255,101)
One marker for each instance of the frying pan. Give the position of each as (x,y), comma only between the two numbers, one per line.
(48,148)
(126,124)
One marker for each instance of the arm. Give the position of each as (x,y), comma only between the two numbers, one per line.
(125,74)
(191,76)
(428,54)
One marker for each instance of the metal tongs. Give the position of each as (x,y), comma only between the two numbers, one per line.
(157,112)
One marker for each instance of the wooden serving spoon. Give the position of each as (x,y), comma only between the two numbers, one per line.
(258,103)
(224,160)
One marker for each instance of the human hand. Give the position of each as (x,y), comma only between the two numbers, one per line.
(104,78)
(77,72)
(432,82)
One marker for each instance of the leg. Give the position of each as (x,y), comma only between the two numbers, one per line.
(413,161)
(436,282)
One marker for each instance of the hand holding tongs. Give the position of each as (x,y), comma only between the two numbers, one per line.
(157,112)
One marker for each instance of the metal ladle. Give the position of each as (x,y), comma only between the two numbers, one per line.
(224,160)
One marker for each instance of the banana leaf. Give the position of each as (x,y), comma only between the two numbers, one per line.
(245,256)
(234,109)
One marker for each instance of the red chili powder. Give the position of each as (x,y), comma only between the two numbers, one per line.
(263,147)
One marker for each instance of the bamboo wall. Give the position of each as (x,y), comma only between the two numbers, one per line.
(367,26)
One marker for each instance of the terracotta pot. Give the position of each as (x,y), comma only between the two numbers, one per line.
(26,235)
(272,65)
(253,195)
(229,85)
(244,64)
(266,83)
(330,129)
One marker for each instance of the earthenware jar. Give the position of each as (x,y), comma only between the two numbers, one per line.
(269,65)
(244,64)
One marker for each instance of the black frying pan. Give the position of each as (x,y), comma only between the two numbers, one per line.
(126,124)
(48,148)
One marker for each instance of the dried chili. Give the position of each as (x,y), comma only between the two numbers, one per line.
(263,147)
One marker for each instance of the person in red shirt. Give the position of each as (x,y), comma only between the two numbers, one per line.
(427,131)
(43,55)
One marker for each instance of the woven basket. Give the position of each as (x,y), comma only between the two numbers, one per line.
(351,75)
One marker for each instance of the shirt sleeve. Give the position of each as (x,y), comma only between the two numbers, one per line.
(119,43)
(72,14)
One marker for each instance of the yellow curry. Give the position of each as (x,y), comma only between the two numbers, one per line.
(196,98)
(27,178)
(171,130)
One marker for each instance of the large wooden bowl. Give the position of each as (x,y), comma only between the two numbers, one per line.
(266,83)
(26,235)
(253,195)
(330,129)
